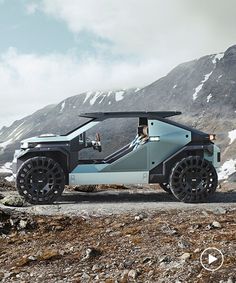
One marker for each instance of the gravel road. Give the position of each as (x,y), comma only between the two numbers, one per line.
(122,202)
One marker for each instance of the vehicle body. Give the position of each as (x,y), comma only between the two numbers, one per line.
(181,159)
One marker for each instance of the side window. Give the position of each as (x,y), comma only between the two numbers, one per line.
(115,133)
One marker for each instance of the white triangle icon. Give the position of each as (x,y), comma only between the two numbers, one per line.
(211,259)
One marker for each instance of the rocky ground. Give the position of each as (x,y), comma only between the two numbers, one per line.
(151,242)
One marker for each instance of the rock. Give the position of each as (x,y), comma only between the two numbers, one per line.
(124,276)
(185,256)
(216,224)
(13,221)
(128,263)
(165,258)
(183,244)
(16,201)
(22,224)
(49,254)
(23,261)
(220,210)
(150,273)
(205,213)
(2,275)
(115,234)
(139,217)
(95,267)
(91,253)
(195,227)
(85,278)
(197,251)
(146,259)
(168,230)
(133,274)
(32,258)
(58,228)
(85,188)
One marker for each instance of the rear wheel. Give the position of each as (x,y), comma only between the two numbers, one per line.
(166,187)
(193,179)
(40,180)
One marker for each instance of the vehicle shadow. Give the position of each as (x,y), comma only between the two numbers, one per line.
(110,197)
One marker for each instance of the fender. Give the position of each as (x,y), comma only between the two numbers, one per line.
(60,155)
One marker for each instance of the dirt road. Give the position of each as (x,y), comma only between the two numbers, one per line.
(119,202)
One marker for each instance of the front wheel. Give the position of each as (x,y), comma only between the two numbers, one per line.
(40,180)
(193,179)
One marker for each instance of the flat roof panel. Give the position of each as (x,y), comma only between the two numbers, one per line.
(130,114)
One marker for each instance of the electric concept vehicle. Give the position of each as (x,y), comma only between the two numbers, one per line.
(179,158)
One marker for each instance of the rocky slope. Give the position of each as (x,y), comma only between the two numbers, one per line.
(203,89)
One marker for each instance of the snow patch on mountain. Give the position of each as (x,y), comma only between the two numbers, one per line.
(198,88)
(3,145)
(119,95)
(95,97)
(62,106)
(217,57)
(6,168)
(227,169)
(88,94)
(209,97)
(103,97)
(137,89)
(232,136)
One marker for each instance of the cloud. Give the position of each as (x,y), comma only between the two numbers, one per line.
(133,44)
(31,8)
(156,28)
(31,81)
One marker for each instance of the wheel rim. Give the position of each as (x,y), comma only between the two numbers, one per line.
(193,179)
(40,180)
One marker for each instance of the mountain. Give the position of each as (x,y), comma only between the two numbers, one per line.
(203,89)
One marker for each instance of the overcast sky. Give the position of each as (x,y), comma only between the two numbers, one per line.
(53,49)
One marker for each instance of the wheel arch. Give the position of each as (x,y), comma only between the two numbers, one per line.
(161,173)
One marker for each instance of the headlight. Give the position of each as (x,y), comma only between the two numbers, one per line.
(212,137)
(25,145)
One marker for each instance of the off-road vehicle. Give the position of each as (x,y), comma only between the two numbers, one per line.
(181,159)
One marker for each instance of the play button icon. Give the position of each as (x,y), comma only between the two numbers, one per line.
(212,259)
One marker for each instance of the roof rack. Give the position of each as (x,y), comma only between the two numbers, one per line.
(130,114)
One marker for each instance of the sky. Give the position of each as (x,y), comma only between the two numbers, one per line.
(54,49)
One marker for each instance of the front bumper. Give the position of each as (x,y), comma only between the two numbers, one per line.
(213,156)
